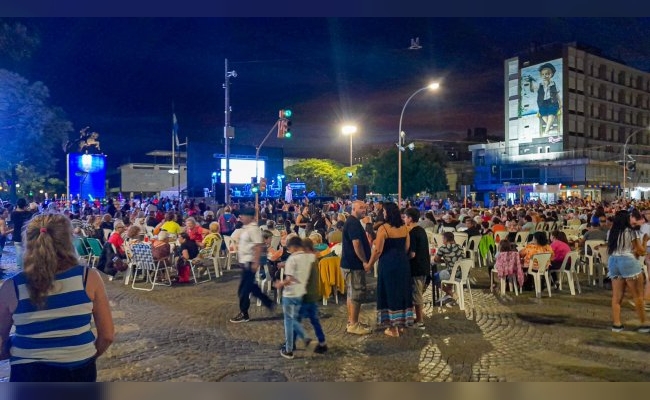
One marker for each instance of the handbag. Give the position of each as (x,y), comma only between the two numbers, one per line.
(119,264)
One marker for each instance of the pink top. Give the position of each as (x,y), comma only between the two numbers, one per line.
(560,250)
(508,263)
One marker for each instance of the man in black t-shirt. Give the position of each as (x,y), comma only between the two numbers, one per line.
(19,218)
(354,262)
(420,261)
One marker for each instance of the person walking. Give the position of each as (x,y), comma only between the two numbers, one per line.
(354,263)
(623,247)
(309,307)
(18,219)
(51,304)
(249,253)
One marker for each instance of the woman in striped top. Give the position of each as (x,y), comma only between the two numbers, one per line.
(51,304)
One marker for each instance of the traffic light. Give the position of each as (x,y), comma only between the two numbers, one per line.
(262,184)
(255,189)
(631,166)
(284,124)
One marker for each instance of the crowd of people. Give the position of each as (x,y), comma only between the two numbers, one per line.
(284,242)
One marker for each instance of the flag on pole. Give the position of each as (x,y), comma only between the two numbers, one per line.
(175,130)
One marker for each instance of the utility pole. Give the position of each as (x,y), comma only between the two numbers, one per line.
(228,131)
(257,173)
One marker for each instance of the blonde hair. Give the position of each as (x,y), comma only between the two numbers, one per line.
(316,238)
(49,249)
(214,227)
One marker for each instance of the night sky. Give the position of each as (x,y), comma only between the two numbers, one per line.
(121,76)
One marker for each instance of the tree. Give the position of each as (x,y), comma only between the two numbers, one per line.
(422,170)
(31,131)
(322,176)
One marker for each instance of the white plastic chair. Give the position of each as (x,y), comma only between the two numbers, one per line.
(465,264)
(568,268)
(543,260)
(461,239)
(499,236)
(590,254)
(471,249)
(230,255)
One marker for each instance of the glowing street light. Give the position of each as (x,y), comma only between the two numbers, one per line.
(349,130)
(400,140)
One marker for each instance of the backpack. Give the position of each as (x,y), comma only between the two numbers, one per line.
(227,225)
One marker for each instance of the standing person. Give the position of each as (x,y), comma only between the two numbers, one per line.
(394,297)
(249,252)
(354,262)
(623,247)
(294,285)
(309,307)
(419,259)
(51,304)
(4,230)
(18,219)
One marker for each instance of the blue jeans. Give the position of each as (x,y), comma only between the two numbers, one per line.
(41,372)
(292,325)
(19,254)
(310,310)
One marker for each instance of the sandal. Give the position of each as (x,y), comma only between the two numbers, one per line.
(389,332)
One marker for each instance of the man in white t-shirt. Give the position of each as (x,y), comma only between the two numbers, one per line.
(250,250)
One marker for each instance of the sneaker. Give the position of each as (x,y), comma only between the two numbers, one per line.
(644,329)
(419,325)
(617,328)
(286,354)
(320,349)
(358,329)
(241,317)
(283,346)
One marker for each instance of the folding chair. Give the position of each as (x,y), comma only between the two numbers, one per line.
(144,263)
(82,250)
(95,250)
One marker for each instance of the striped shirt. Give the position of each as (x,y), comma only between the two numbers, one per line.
(60,333)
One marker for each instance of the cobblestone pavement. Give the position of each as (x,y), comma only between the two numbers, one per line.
(182,333)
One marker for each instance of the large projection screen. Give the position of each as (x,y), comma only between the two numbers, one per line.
(87,176)
(241,171)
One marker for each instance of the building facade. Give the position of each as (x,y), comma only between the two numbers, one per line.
(576,125)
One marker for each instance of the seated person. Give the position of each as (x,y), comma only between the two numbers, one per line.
(336,236)
(213,234)
(169,224)
(448,253)
(160,247)
(187,251)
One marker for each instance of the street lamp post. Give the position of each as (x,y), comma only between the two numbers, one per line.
(400,140)
(627,140)
(349,130)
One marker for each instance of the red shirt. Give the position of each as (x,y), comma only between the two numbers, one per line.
(196,234)
(116,240)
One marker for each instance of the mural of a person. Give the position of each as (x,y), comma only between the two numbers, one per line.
(549,101)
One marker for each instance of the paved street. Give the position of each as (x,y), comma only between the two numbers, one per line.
(182,333)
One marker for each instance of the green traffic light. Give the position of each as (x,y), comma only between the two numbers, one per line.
(287,135)
(254,189)
(287,113)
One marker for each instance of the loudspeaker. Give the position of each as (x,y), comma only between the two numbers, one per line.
(359,192)
(219,192)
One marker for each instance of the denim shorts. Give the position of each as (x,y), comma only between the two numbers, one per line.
(623,267)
